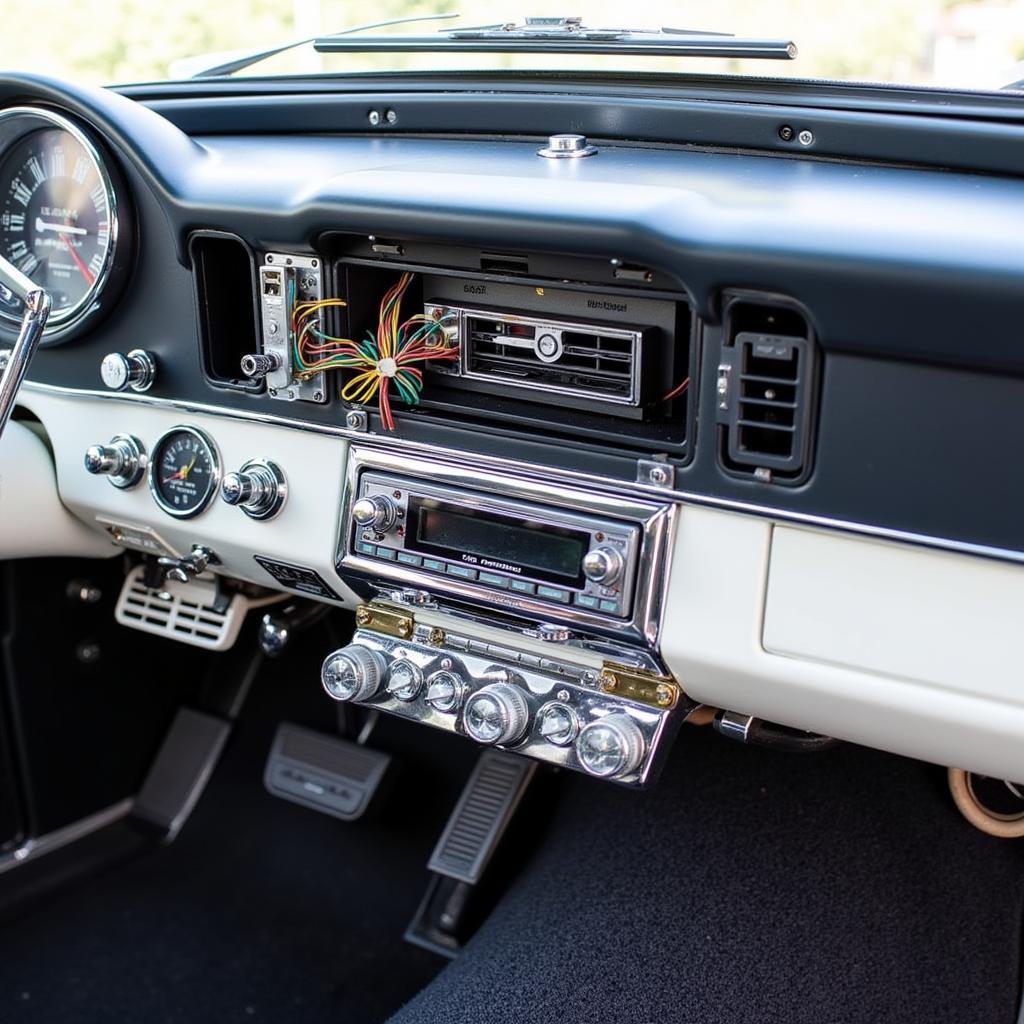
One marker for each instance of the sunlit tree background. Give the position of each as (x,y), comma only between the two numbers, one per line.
(971,43)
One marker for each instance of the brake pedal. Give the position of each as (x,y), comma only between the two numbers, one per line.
(322,772)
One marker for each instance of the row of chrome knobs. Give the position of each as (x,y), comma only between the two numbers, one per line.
(498,713)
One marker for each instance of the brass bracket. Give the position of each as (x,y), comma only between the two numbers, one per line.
(643,687)
(384,620)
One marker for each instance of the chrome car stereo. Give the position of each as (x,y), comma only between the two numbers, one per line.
(540,548)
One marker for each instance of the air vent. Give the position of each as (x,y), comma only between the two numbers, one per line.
(765,392)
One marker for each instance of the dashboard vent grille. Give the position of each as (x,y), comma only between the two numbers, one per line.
(765,389)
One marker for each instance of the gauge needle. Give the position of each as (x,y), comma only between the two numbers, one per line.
(82,268)
(182,473)
(63,229)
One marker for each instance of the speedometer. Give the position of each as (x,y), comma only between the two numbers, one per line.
(184,472)
(59,215)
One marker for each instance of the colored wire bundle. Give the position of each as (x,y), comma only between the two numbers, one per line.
(384,356)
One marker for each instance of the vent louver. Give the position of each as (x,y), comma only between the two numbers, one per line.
(765,392)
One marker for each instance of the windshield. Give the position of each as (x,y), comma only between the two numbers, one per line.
(974,44)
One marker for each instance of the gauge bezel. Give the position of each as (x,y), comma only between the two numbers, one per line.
(15,124)
(215,474)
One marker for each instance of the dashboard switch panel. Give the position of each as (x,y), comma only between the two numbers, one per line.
(502,696)
(285,282)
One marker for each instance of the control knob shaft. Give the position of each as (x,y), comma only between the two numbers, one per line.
(375,512)
(136,370)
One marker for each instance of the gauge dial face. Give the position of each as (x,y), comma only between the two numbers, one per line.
(56,219)
(184,472)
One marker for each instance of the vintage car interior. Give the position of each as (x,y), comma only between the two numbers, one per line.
(490,547)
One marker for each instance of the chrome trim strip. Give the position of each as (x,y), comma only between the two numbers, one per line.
(34,848)
(396,444)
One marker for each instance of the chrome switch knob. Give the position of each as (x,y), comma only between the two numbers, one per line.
(404,680)
(497,713)
(611,746)
(136,370)
(353,673)
(258,488)
(375,513)
(445,691)
(257,365)
(123,460)
(602,565)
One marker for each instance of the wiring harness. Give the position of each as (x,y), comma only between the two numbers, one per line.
(385,356)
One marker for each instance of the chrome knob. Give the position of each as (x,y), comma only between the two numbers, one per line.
(445,691)
(611,746)
(602,565)
(123,460)
(497,713)
(376,513)
(567,146)
(558,723)
(404,681)
(136,370)
(353,673)
(258,488)
(257,365)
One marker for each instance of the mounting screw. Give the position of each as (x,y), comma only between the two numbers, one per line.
(563,695)
(355,419)
(318,396)
(786,133)
(665,695)
(391,117)
(363,616)
(659,476)
(608,682)
(806,137)
(404,628)
(436,637)
(272,392)
(373,117)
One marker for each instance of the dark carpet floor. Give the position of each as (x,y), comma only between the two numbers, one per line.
(751,886)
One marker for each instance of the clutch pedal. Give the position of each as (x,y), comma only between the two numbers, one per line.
(325,773)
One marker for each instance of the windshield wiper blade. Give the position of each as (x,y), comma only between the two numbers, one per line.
(244,60)
(567,35)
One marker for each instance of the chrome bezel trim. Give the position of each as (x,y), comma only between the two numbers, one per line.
(64,321)
(653,520)
(137,451)
(639,488)
(215,463)
(277,487)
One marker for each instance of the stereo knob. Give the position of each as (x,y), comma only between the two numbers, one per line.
(445,691)
(257,365)
(123,460)
(558,723)
(353,673)
(497,713)
(610,747)
(136,370)
(602,565)
(376,513)
(258,489)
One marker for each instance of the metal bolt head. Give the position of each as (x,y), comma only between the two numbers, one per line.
(355,419)
(318,396)
(659,476)
(436,637)
(608,682)
(805,138)
(391,117)
(364,616)
(373,117)
(563,695)
(786,133)
(404,628)
(665,695)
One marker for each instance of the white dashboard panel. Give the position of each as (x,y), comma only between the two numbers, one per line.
(901,648)
(304,533)
(33,522)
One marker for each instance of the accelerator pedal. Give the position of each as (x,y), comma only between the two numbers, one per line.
(453,904)
(323,772)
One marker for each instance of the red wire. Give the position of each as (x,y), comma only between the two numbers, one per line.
(677,391)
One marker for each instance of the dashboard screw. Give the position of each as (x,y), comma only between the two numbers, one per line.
(373,117)
(608,682)
(318,396)
(805,138)
(563,695)
(391,117)
(364,616)
(659,476)
(355,419)
(436,636)
(786,133)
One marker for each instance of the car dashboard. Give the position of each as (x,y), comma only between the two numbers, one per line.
(590,430)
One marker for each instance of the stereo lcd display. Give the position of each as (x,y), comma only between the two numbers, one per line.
(498,542)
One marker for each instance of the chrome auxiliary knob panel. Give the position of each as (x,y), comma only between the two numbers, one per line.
(136,370)
(258,489)
(378,512)
(353,673)
(603,565)
(498,713)
(122,461)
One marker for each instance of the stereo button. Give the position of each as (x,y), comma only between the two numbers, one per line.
(494,580)
(433,564)
(366,549)
(612,607)
(462,571)
(586,601)
(409,559)
(523,587)
(553,594)
(386,553)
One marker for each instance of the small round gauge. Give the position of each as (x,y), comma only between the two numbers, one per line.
(184,472)
(58,215)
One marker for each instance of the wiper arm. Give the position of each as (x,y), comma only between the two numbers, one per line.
(245,60)
(567,35)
